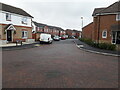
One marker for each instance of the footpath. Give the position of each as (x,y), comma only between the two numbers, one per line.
(85,47)
(13,46)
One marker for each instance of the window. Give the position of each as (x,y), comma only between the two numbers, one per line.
(8,17)
(104,34)
(46,30)
(24,20)
(118,17)
(24,34)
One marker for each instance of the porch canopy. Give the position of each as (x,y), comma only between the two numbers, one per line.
(115,27)
(10,27)
(115,34)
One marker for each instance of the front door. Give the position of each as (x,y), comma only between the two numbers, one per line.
(114,37)
(118,37)
(9,35)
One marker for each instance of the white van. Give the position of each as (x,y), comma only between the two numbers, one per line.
(45,38)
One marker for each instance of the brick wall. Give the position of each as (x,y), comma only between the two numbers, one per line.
(87,31)
(69,32)
(102,23)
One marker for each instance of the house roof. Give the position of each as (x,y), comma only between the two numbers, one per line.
(115,27)
(43,25)
(69,30)
(51,27)
(87,25)
(114,8)
(58,28)
(39,24)
(97,10)
(9,27)
(76,31)
(12,9)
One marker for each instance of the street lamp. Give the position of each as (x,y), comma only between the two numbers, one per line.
(82,22)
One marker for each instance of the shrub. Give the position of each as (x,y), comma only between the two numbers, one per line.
(100,45)
(107,46)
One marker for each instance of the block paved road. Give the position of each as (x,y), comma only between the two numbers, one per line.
(59,65)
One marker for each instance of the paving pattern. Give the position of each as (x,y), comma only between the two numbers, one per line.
(58,65)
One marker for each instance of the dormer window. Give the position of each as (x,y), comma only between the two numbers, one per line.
(118,17)
(24,20)
(8,17)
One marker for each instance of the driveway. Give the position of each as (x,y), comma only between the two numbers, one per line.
(58,65)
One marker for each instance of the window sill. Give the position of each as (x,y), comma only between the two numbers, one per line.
(8,20)
(104,37)
(24,23)
(117,20)
(24,37)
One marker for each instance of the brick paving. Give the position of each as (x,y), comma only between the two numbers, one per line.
(59,65)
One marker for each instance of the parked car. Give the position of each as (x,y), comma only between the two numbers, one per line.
(56,38)
(66,36)
(72,37)
(46,38)
(63,37)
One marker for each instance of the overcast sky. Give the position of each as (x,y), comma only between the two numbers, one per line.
(62,13)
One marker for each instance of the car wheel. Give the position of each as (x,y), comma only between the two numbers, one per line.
(40,42)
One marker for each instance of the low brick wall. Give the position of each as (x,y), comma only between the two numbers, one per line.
(30,40)
(3,42)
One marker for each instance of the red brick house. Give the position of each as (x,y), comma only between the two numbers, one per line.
(106,24)
(56,31)
(69,32)
(77,33)
(15,24)
(105,27)
(39,28)
(74,33)
(87,31)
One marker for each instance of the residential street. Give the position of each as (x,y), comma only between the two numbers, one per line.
(58,65)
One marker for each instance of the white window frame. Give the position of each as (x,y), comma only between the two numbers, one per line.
(103,34)
(8,17)
(24,20)
(118,17)
(46,30)
(25,35)
(115,38)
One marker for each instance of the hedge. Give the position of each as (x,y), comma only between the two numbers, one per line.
(105,46)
